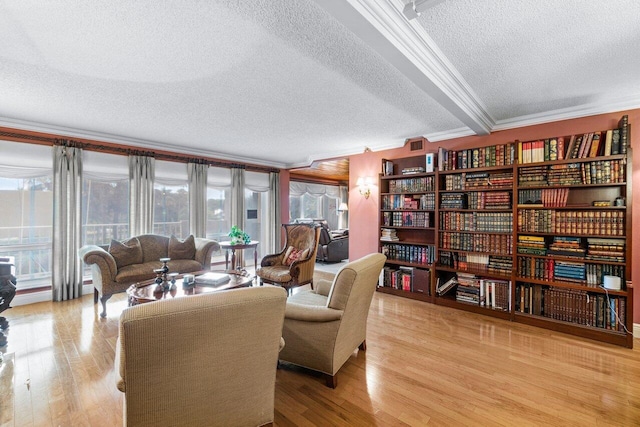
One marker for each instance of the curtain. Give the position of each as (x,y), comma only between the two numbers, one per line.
(198,198)
(343,219)
(67,223)
(237,204)
(141,176)
(273,215)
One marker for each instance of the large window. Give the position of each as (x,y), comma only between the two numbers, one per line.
(105,199)
(314,201)
(171,198)
(26,197)
(256,213)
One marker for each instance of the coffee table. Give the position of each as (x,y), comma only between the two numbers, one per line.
(148,291)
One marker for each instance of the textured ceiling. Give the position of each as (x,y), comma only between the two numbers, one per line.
(284,83)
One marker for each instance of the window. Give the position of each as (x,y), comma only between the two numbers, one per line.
(105,198)
(171,199)
(308,200)
(26,197)
(256,216)
(218,207)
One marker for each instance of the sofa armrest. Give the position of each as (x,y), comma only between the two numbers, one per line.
(311,313)
(119,369)
(93,254)
(204,250)
(271,260)
(322,287)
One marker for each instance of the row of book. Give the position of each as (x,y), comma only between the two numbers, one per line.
(389,235)
(573,306)
(476,262)
(592,144)
(472,289)
(478,180)
(407,219)
(489,200)
(415,254)
(496,244)
(491,222)
(599,249)
(548,197)
(590,275)
(400,201)
(494,155)
(453,201)
(596,172)
(408,279)
(588,222)
(412,185)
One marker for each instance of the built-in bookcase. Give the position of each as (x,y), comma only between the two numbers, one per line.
(537,232)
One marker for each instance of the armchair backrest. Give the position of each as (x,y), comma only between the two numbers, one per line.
(302,236)
(201,360)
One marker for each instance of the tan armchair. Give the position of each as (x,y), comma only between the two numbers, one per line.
(323,327)
(294,264)
(201,360)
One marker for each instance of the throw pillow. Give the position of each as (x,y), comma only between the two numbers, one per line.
(295,255)
(127,252)
(182,249)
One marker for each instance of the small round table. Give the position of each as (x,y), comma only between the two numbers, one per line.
(228,245)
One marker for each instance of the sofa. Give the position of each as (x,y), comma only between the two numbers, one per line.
(204,360)
(333,245)
(117,266)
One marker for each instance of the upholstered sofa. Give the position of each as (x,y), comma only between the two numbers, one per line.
(118,265)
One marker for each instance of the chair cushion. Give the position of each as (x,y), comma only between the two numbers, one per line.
(182,249)
(126,253)
(307,297)
(276,274)
(292,254)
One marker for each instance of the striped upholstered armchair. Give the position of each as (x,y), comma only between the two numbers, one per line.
(294,264)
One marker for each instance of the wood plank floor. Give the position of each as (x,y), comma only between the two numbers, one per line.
(424,365)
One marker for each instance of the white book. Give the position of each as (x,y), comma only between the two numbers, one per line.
(212,278)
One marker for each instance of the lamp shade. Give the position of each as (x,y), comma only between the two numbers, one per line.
(343,207)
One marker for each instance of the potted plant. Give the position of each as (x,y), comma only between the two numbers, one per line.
(238,236)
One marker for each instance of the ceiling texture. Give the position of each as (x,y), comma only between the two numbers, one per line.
(284,83)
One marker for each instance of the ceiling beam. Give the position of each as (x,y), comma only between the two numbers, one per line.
(407,46)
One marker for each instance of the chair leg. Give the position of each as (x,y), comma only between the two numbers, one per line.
(95,295)
(363,345)
(331,380)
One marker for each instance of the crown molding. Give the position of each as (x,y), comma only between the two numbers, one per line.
(407,46)
(631,102)
(449,134)
(133,142)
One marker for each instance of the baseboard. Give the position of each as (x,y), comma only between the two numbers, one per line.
(43,296)
(636,330)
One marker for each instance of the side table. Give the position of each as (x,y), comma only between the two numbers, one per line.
(227,245)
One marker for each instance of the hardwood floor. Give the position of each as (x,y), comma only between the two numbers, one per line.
(424,365)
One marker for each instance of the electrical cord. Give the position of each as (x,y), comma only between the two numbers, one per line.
(606,291)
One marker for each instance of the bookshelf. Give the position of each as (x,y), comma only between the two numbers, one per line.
(407,227)
(536,232)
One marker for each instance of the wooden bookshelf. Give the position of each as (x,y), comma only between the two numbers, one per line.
(527,218)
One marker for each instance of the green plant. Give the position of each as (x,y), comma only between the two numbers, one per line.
(238,236)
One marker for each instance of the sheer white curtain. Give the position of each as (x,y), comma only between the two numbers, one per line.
(198,198)
(67,223)
(237,204)
(274,217)
(141,176)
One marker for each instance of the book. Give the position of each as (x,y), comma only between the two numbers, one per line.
(212,279)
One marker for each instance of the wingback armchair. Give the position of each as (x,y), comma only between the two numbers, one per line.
(322,327)
(294,264)
(201,360)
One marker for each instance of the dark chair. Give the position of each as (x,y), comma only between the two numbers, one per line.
(333,246)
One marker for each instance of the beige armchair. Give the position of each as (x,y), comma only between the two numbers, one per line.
(323,327)
(201,360)
(294,264)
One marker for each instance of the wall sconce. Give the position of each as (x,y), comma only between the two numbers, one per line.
(364,185)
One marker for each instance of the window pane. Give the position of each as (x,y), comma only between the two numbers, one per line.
(105,211)
(171,211)
(255,205)
(26,228)
(218,224)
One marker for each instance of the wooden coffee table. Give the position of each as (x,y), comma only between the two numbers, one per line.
(148,291)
